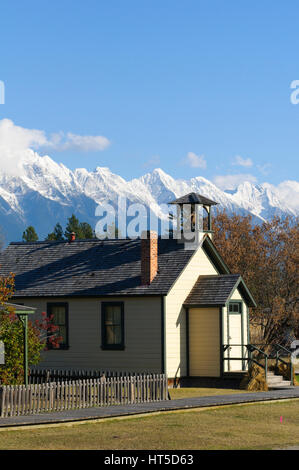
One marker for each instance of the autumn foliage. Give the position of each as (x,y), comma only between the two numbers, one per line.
(41,332)
(267,257)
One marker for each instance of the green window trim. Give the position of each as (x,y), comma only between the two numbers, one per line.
(113,327)
(64,324)
(235,307)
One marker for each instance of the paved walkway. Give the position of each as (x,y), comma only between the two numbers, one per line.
(129,410)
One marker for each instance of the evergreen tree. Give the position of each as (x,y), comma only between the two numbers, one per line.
(82,229)
(86,230)
(57,234)
(30,235)
(73,225)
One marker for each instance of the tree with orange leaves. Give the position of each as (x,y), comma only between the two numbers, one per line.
(267,257)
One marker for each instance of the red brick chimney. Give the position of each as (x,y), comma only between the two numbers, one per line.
(149,257)
(72,237)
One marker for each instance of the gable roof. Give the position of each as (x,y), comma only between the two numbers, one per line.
(216,291)
(214,256)
(90,267)
(194,198)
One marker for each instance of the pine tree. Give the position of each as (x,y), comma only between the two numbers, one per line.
(57,234)
(83,230)
(73,225)
(30,235)
(86,230)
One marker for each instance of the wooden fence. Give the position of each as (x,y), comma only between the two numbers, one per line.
(38,376)
(18,400)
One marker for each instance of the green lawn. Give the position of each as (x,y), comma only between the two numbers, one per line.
(256,426)
(176,393)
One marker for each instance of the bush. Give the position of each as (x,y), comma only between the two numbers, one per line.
(40,333)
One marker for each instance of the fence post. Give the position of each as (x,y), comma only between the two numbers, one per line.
(3,396)
(51,395)
(132,389)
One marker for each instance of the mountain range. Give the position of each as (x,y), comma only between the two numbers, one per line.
(46,192)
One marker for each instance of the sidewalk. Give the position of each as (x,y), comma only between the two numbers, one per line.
(143,408)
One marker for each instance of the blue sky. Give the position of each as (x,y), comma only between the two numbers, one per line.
(198,88)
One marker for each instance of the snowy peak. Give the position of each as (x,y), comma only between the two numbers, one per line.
(46,192)
(267,200)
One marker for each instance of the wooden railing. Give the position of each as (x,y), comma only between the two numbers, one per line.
(257,355)
(18,400)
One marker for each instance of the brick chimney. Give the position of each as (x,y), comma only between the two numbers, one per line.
(149,256)
(72,237)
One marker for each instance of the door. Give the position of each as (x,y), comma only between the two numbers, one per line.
(235,336)
(204,342)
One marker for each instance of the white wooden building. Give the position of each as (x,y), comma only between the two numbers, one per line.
(140,305)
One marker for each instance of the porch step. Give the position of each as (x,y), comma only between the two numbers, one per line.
(277,381)
(283,385)
(274,378)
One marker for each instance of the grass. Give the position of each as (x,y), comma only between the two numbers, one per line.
(252,427)
(176,393)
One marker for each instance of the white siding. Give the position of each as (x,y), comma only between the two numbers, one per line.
(234,364)
(176,364)
(142,352)
(237,296)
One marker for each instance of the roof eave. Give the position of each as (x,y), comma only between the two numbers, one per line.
(208,305)
(221,263)
(252,302)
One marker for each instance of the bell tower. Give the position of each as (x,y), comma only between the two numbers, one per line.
(193,219)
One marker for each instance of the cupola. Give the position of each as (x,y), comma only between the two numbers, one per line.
(193,218)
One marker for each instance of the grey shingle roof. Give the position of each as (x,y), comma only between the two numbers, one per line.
(89,267)
(212,290)
(194,198)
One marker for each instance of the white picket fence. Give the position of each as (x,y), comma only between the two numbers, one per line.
(16,400)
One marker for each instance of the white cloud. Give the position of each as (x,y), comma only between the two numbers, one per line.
(195,161)
(265,169)
(16,140)
(246,162)
(152,162)
(233,181)
(81,143)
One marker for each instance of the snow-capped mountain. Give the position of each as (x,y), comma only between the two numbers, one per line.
(46,192)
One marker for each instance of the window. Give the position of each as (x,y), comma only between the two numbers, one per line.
(113,325)
(235,307)
(59,311)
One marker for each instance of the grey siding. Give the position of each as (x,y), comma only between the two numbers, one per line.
(142,318)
